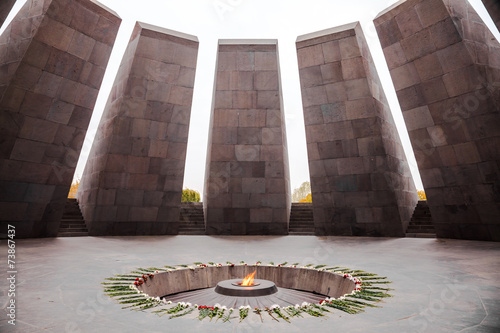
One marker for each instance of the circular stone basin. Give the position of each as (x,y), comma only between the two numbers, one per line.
(234,288)
(294,285)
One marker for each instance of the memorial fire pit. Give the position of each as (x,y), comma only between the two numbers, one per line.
(218,290)
(247,287)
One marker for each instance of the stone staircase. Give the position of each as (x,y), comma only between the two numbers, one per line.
(301,219)
(72,223)
(191,219)
(421,222)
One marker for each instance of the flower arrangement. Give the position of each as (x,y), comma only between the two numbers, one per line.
(367,292)
(244,311)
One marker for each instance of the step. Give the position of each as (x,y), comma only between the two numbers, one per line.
(423,231)
(73,230)
(73,225)
(416,217)
(420,225)
(301,230)
(296,233)
(192,224)
(73,220)
(182,232)
(419,235)
(191,229)
(72,234)
(421,222)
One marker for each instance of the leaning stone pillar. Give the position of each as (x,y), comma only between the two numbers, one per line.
(493,8)
(445,65)
(52,60)
(360,179)
(132,183)
(247,190)
(5,8)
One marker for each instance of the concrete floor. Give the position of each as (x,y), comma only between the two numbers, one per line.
(440,285)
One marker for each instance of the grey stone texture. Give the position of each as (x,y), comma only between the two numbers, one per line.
(132,183)
(52,60)
(360,179)
(445,65)
(320,282)
(5,8)
(247,183)
(493,8)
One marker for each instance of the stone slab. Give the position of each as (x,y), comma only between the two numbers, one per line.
(247,183)
(348,124)
(444,102)
(56,62)
(141,147)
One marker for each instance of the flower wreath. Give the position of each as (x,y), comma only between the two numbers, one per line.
(369,290)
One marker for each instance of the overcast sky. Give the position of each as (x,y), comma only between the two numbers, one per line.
(284,20)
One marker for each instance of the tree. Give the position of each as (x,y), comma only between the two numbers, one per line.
(73,189)
(421,195)
(301,192)
(308,198)
(190,195)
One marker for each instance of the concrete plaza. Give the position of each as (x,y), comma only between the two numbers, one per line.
(440,285)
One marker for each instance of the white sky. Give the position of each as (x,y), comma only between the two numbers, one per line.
(284,20)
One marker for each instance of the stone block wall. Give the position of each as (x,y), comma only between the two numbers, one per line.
(5,8)
(360,180)
(493,8)
(52,60)
(247,188)
(445,65)
(132,183)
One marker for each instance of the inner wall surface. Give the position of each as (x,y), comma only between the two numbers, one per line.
(283,297)
(183,280)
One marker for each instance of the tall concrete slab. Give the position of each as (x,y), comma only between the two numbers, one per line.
(52,60)
(247,183)
(445,65)
(360,179)
(493,8)
(132,182)
(5,8)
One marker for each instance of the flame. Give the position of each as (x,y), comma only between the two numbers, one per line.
(248,280)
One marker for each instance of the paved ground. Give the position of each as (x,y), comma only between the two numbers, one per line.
(440,285)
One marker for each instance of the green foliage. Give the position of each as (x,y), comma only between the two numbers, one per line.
(190,195)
